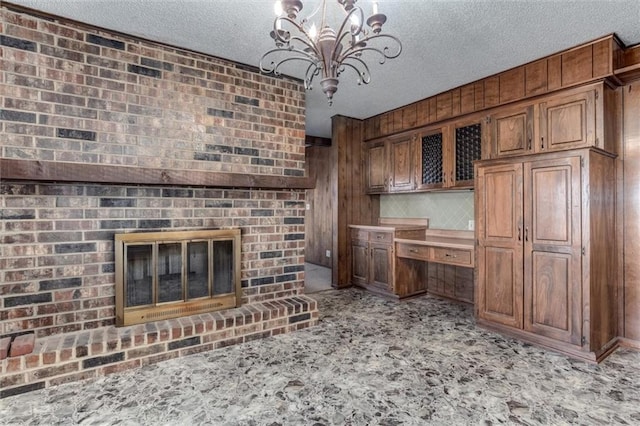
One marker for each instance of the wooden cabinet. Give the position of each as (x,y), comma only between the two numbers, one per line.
(512,131)
(569,121)
(373,256)
(578,118)
(447,154)
(546,261)
(391,164)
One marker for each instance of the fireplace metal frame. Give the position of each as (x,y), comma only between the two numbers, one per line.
(161,311)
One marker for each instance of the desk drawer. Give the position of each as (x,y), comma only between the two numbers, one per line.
(412,251)
(452,256)
(359,234)
(381,237)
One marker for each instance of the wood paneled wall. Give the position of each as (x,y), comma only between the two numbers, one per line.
(631,209)
(352,205)
(320,205)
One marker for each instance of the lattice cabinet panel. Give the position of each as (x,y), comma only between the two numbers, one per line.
(468,149)
(432,159)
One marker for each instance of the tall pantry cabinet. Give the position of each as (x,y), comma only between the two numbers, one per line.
(545,227)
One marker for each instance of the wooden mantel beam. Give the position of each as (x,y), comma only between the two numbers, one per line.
(52,171)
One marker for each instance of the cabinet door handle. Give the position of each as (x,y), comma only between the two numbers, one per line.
(379,237)
(526,233)
(529,143)
(450,255)
(542,142)
(519,236)
(413,251)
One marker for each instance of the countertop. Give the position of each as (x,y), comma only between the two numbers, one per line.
(388,227)
(439,241)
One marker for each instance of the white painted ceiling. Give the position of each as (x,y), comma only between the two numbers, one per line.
(446,43)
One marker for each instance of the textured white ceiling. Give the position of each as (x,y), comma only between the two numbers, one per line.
(445,43)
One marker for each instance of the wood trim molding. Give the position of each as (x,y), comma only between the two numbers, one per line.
(52,171)
(579,65)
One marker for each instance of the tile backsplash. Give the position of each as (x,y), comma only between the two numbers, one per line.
(445,210)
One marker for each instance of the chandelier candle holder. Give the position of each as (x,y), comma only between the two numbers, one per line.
(328,52)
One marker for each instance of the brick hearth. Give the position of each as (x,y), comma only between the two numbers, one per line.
(81,355)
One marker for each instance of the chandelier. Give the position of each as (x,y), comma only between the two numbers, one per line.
(327,52)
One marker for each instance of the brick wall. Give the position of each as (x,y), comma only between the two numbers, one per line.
(71,93)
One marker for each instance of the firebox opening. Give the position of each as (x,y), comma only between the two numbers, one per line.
(162,275)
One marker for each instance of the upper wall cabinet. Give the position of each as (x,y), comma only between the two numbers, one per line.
(447,154)
(570,120)
(433,154)
(391,164)
(467,148)
(512,131)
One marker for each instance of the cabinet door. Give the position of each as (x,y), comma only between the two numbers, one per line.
(376,155)
(552,262)
(401,170)
(467,148)
(512,131)
(500,247)
(359,262)
(381,266)
(568,122)
(431,156)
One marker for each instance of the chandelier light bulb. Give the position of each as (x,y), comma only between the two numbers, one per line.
(375,7)
(313,31)
(277,8)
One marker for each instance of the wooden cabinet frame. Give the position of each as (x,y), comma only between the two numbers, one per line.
(391,164)
(574,119)
(448,154)
(546,253)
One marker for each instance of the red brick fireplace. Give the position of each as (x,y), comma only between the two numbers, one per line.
(105,134)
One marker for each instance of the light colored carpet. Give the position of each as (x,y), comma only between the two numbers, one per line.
(316,278)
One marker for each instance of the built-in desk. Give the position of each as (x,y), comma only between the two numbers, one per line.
(441,264)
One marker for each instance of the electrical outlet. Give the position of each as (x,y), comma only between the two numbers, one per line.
(308,206)
(472,225)
(327,253)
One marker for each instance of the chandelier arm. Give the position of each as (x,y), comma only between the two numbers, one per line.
(273,65)
(381,51)
(347,20)
(364,77)
(307,41)
(312,70)
(342,33)
(278,32)
(384,51)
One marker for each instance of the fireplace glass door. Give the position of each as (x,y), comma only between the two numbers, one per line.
(170,274)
